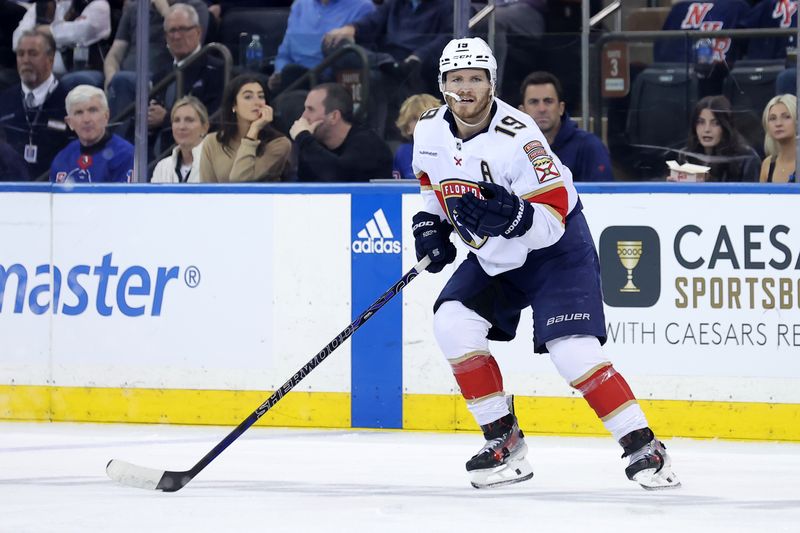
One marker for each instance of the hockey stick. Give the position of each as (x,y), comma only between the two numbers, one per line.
(171,481)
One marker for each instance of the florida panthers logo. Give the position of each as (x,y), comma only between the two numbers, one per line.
(450,191)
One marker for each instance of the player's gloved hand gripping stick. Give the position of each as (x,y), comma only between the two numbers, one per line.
(171,481)
(432,239)
(499,213)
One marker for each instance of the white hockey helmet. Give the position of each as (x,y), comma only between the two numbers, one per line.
(470,52)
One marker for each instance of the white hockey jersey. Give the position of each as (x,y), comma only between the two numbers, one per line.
(511,152)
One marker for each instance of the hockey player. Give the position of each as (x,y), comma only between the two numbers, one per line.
(487,173)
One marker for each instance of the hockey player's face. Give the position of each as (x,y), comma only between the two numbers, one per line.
(89,120)
(472,85)
(541,103)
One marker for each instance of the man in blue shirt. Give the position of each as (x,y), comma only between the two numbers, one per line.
(407,38)
(309,21)
(96,156)
(582,152)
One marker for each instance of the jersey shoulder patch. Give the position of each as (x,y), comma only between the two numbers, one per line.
(430,113)
(431,126)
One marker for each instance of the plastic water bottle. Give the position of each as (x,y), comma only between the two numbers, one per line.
(704,52)
(255,54)
(80,56)
(703,58)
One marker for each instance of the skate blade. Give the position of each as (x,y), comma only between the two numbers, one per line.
(650,480)
(512,472)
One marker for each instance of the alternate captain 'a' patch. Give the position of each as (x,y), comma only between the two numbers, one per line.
(545,168)
(450,190)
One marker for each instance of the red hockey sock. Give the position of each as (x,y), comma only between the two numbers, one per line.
(478,376)
(606,391)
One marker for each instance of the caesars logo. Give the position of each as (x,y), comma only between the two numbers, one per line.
(630,266)
(376,237)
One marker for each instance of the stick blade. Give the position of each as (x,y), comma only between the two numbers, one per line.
(133,475)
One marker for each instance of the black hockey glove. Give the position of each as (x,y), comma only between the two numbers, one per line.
(432,238)
(500,213)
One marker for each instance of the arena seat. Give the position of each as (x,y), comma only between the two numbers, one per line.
(662,99)
(749,86)
(661,102)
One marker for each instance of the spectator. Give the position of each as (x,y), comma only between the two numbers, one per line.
(309,20)
(779,118)
(330,147)
(12,166)
(247,147)
(203,78)
(10,14)
(512,19)
(75,22)
(715,142)
(581,151)
(704,16)
(771,14)
(218,8)
(120,63)
(408,36)
(189,126)
(410,111)
(96,155)
(32,113)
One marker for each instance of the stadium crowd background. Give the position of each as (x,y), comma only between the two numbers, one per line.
(264,112)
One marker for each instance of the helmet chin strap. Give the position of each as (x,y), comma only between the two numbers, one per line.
(457,98)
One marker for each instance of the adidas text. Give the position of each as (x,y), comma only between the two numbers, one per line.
(377,246)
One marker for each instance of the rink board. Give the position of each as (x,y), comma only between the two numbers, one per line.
(192,304)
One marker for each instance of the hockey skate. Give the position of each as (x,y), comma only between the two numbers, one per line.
(649,464)
(501,461)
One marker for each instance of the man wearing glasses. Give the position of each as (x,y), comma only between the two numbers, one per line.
(120,63)
(203,78)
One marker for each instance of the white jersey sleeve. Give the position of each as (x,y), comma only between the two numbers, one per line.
(420,163)
(537,175)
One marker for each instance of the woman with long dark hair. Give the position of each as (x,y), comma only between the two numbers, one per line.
(247,147)
(715,142)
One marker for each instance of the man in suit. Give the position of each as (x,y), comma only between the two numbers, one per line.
(32,112)
(202,79)
(120,63)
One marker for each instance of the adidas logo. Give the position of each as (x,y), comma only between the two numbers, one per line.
(376,237)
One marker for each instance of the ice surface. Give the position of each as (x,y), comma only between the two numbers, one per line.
(52,479)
